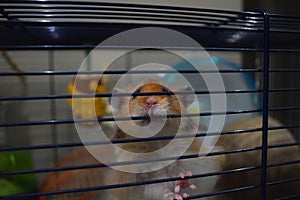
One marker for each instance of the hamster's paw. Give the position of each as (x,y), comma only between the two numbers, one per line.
(173,196)
(184,183)
(181,184)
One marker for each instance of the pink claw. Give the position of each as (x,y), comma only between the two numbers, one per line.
(182,184)
(189,174)
(173,196)
(181,175)
(193,187)
(185,195)
(177,188)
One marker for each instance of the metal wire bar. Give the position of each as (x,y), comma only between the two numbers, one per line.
(284,50)
(126,16)
(137,17)
(251,187)
(284,163)
(80,144)
(284,70)
(128,5)
(285,108)
(284,90)
(131,162)
(296,196)
(283,181)
(276,16)
(284,145)
(53,113)
(125,25)
(284,127)
(88,166)
(109,119)
(265,113)
(141,20)
(95,72)
(84,47)
(68,96)
(34,8)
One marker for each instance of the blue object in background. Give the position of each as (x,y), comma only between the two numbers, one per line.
(233,81)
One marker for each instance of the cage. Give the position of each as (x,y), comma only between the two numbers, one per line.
(50,88)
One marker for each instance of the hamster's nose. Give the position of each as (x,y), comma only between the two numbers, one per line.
(151,101)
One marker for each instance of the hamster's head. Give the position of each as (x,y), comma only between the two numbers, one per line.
(157,104)
(163,101)
(157,101)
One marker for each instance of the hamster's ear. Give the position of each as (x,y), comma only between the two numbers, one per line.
(186,99)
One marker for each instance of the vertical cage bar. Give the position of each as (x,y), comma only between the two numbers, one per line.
(265,126)
(53,115)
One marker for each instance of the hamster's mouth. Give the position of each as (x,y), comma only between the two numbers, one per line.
(153,113)
(143,122)
(156,110)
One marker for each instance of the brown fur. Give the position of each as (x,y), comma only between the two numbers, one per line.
(253,158)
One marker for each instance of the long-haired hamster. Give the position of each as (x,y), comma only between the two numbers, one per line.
(156,108)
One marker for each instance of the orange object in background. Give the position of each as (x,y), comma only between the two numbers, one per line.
(89,107)
(74,179)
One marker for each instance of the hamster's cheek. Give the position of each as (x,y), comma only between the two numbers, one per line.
(139,111)
(159,110)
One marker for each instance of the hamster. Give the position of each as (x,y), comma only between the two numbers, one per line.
(154,107)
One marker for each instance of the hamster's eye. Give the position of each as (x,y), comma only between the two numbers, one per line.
(165,90)
(136,92)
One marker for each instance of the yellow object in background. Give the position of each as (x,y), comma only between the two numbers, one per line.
(87,108)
